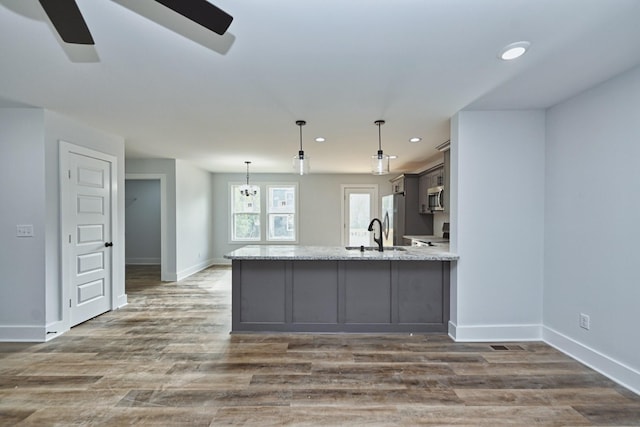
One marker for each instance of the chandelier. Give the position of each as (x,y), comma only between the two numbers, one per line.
(246,189)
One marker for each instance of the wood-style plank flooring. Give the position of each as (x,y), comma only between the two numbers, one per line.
(168,359)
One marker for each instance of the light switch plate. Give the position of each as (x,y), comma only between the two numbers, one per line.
(24,230)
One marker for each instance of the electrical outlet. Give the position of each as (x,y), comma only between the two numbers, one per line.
(585,321)
(24,230)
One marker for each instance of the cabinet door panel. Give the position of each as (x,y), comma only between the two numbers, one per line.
(367,292)
(315,292)
(420,293)
(262,292)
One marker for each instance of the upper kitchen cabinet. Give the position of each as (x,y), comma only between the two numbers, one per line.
(397,184)
(437,177)
(423,184)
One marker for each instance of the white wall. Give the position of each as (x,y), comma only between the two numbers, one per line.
(189,207)
(320,204)
(31,287)
(497,169)
(592,230)
(22,260)
(194,219)
(142,215)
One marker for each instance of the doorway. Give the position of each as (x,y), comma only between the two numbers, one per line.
(142,222)
(359,207)
(146,221)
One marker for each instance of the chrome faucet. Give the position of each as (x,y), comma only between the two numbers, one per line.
(378,240)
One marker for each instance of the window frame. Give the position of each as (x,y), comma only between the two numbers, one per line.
(264,214)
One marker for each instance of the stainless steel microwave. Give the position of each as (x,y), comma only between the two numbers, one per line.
(435,198)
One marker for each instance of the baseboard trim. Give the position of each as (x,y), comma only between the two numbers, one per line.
(20,333)
(221,261)
(55,329)
(181,275)
(169,277)
(121,301)
(622,374)
(487,333)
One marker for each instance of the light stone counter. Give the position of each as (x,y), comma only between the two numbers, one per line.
(440,252)
(428,238)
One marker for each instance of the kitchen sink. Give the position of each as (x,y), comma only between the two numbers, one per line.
(375,248)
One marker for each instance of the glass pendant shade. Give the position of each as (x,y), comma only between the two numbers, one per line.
(380,163)
(301,162)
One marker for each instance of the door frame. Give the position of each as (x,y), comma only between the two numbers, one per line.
(164,275)
(343,205)
(65,150)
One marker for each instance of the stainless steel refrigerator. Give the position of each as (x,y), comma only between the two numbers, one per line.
(387,220)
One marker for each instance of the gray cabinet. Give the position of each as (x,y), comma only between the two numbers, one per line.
(340,296)
(436,177)
(423,185)
(397,183)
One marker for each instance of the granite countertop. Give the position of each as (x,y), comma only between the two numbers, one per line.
(428,238)
(440,252)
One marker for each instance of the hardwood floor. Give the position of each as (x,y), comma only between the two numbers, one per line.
(168,359)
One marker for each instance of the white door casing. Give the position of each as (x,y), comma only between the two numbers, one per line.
(88,194)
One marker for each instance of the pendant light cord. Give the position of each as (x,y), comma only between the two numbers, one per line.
(379,123)
(300,125)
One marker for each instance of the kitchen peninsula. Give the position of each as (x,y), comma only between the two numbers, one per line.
(287,288)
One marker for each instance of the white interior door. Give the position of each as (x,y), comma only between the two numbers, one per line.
(359,208)
(88,223)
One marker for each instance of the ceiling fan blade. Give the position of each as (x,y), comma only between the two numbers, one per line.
(68,21)
(201,12)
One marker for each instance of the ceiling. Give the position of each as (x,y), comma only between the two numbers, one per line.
(175,90)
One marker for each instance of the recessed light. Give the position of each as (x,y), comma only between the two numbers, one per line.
(320,139)
(415,139)
(393,156)
(514,50)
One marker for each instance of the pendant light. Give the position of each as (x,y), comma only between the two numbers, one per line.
(379,161)
(248,190)
(301,162)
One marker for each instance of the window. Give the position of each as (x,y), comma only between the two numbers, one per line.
(245,215)
(268,216)
(281,211)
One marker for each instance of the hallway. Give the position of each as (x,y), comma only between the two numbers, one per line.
(168,359)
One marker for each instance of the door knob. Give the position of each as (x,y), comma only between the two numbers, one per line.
(108,244)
